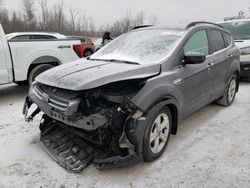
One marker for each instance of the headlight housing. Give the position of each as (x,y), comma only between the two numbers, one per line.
(245,51)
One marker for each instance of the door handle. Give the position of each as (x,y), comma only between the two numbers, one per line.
(210,65)
(178,81)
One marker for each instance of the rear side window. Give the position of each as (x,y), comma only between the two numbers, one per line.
(198,42)
(216,41)
(227,39)
(43,37)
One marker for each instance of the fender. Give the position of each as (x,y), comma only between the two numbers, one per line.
(155,92)
(233,68)
(135,128)
(32,59)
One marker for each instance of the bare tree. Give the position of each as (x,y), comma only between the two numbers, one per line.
(153,19)
(45,15)
(55,18)
(58,18)
(73,14)
(86,24)
(29,13)
(139,19)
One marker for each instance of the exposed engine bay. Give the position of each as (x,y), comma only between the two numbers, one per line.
(81,127)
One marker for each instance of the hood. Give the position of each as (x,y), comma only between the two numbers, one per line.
(86,74)
(242,43)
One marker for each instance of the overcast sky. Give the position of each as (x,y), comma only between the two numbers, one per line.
(169,12)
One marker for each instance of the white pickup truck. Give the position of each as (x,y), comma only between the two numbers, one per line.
(22,60)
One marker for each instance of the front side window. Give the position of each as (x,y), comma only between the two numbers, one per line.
(21,37)
(198,42)
(143,46)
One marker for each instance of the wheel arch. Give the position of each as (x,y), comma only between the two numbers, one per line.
(172,104)
(237,73)
(43,60)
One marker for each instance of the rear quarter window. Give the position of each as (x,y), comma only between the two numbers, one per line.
(216,41)
(227,39)
(43,37)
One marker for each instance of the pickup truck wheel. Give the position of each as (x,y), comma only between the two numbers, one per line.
(38,70)
(158,128)
(229,95)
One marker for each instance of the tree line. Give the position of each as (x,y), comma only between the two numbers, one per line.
(39,16)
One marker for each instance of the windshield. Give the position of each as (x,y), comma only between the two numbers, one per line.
(142,46)
(240,29)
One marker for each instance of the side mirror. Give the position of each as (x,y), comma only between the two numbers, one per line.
(194,58)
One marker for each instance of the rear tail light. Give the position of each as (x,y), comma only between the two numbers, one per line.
(78,50)
(238,50)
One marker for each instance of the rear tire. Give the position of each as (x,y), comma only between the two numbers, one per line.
(157,134)
(22,83)
(246,79)
(38,70)
(229,95)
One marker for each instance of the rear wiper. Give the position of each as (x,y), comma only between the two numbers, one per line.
(116,60)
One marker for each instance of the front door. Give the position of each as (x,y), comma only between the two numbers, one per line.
(197,78)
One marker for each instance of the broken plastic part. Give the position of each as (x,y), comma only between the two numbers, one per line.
(138,114)
(27,105)
(68,150)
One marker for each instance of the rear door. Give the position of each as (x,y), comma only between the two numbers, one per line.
(197,78)
(218,48)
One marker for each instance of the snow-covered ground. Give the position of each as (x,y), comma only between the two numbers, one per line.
(211,149)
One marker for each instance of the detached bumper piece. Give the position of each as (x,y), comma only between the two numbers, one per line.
(68,150)
(74,153)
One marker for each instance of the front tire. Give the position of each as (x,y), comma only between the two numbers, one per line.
(157,134)
(38,70)
(229,95)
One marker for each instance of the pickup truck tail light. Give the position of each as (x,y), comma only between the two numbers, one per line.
(78,50)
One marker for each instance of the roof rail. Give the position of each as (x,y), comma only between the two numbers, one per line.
(141,26)
(201,22)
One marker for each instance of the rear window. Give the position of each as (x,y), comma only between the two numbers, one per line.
(216,41)
(227,39)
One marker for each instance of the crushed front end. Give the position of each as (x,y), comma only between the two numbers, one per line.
(100,125)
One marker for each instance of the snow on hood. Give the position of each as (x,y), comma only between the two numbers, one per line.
(242,43)
(86,74)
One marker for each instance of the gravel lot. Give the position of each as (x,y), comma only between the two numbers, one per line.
(211,149)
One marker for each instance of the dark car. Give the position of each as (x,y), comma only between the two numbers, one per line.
(119,106)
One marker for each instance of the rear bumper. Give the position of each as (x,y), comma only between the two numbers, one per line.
(245,69)
(245,66)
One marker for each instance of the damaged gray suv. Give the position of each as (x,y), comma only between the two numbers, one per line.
(119,106)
